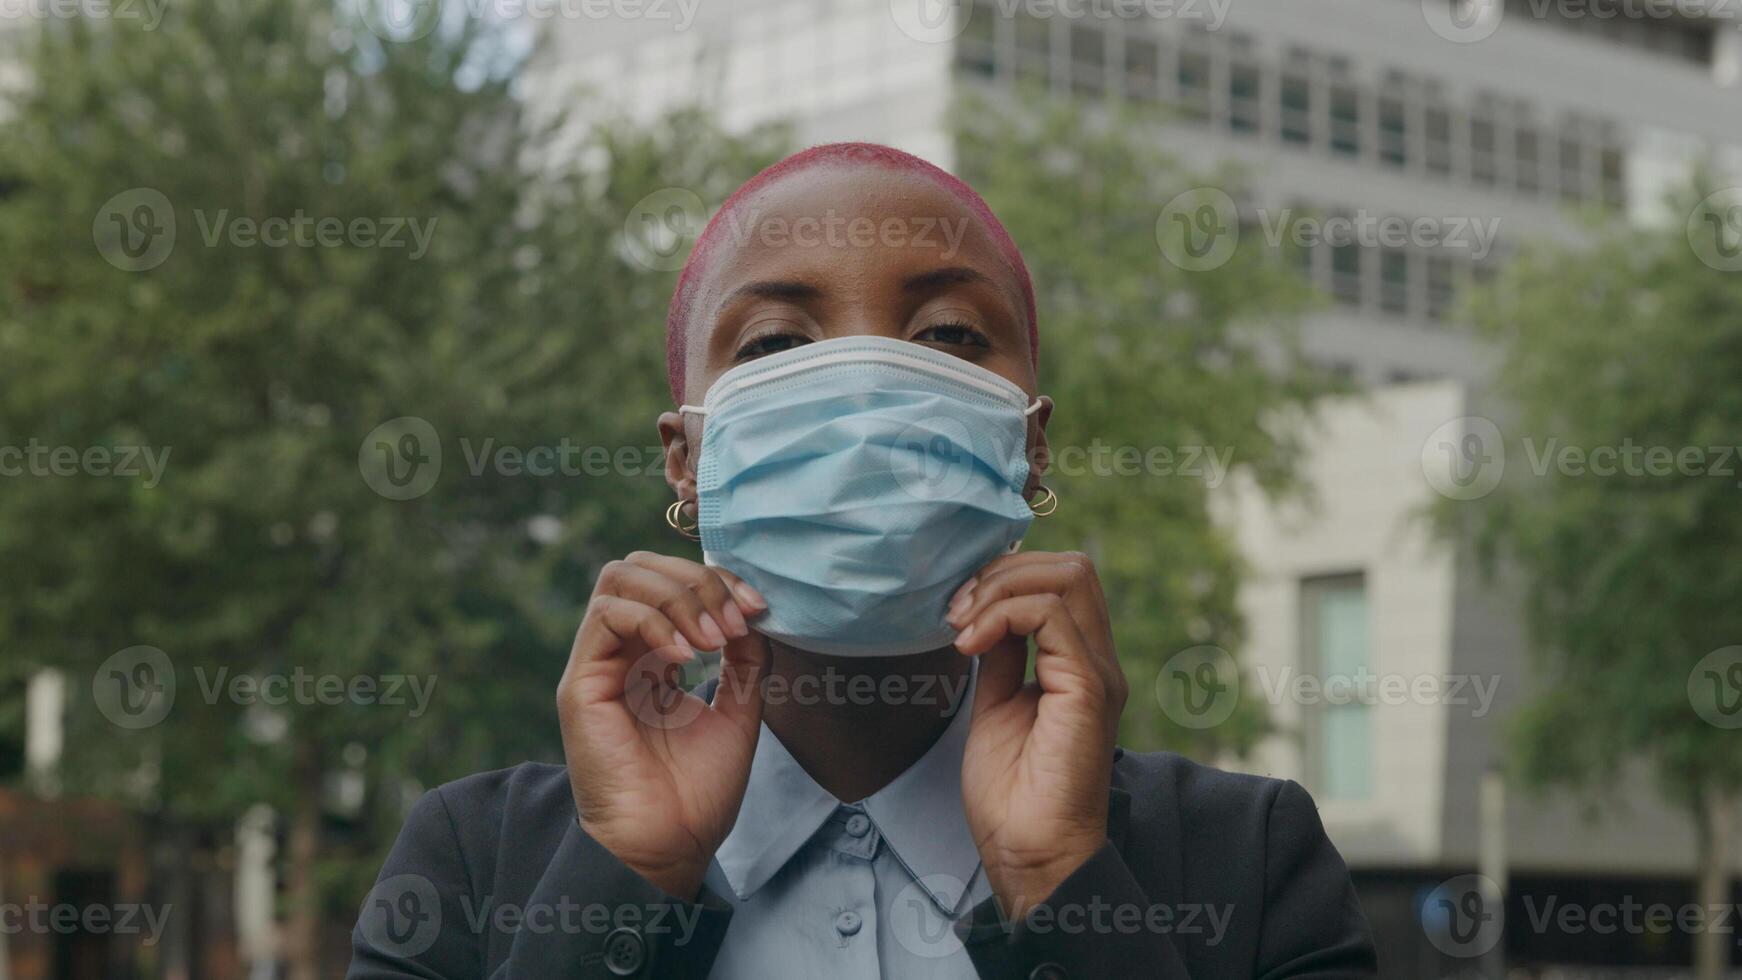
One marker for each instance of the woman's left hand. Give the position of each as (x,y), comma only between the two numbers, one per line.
(1040,754)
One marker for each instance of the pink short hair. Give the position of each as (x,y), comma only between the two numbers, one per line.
(677,320)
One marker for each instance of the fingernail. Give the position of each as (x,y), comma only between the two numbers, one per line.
(965,635)
(684,652)
(711,632)
(964,590)
(735,625)
(960,603)
(750,596)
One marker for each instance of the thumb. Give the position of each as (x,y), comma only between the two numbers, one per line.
(743,661)
(1003,668)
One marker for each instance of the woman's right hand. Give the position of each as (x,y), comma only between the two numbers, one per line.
(658,774)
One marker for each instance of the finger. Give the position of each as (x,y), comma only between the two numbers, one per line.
(1018,559)
(729,598)
(739,694)
(681,604)
(1003,669)
(595,672)
(613,623)
(1068,575)
(1061,574)
(1062,659)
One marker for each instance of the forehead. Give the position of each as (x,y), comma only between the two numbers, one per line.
(846,224)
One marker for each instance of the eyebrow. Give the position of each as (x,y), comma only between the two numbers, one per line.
(776,289)
(793,289)
(943,277)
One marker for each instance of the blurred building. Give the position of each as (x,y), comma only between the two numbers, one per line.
(1466,114)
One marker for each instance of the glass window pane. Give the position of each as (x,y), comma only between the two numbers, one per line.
(1345,120)
(1393,132)
(1142,67)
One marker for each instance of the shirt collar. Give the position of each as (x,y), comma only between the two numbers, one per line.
(919,815)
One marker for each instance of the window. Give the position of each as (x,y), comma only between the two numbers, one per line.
(1394,281)
(1033,49)
(1527,160)
(1194,84)
(1345,120)
(1572,169)
(1337,651)
(1442,286)
(1297,105)
(1482,156)
(1245,97)
(1346,271)
(1393,131)
(1437,130)
(977,51)
(1088,59)
(1142,67)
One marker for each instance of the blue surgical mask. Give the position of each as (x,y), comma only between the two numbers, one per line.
(857,483)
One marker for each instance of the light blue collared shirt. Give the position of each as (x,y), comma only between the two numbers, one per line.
(848,891)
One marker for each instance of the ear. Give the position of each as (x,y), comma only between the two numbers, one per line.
(680,463)
(1039,452)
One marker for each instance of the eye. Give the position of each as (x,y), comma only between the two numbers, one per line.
(768,343)
(954,334)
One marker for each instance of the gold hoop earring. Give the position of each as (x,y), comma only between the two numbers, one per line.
(674,519)
(1047,503)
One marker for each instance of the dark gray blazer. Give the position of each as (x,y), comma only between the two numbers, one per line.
(1205,874)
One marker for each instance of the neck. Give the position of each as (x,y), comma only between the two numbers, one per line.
(854,724)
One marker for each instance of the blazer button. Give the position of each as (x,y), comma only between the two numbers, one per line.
(625,952)
(1049,971)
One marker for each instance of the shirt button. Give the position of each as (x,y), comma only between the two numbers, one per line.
(1048,971)
(858,824)
(848,923)
(624,952)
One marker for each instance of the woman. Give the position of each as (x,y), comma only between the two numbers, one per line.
(873,787)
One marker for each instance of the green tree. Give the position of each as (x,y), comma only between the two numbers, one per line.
(1166,362)
(169,286)
(1629,568)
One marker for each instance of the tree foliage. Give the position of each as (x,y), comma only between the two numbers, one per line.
(1630,578)
(266,550)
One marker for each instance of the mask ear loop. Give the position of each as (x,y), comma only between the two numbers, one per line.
(1016,545)
(674,515)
